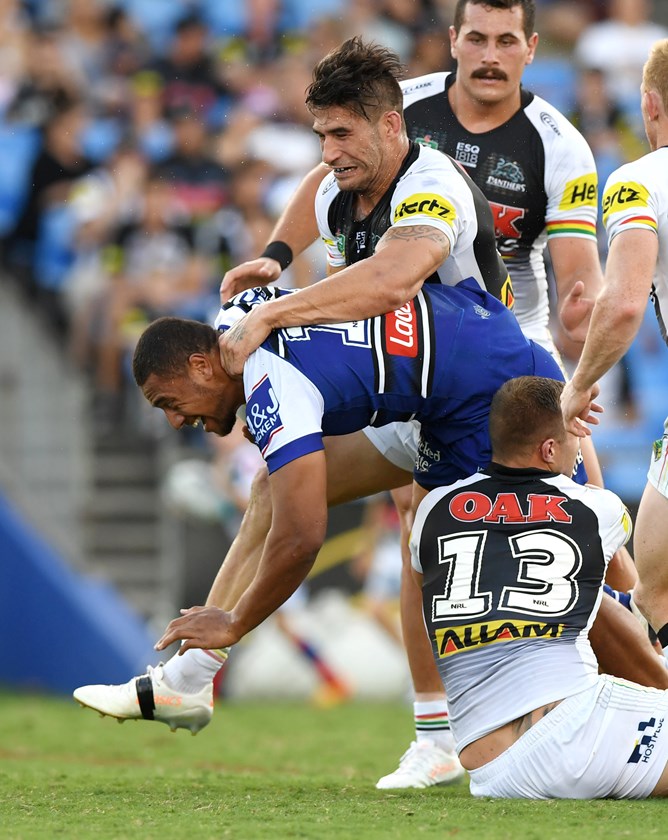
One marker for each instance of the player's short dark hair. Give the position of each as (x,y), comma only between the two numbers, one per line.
(524,412)
(362,77)
(528,11)
(166,345)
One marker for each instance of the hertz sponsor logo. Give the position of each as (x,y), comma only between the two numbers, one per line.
(457,639)
(622,196)
(426,204)
(580,192)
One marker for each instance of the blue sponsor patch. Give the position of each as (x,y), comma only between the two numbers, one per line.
(262,413)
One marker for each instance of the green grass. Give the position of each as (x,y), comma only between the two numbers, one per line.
(264,770)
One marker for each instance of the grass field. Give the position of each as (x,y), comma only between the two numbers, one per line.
(258,771)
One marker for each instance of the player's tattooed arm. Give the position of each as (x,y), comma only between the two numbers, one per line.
(415,233)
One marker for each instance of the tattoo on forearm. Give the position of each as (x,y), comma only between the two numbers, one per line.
(524,723)
(415,232)
(237,332)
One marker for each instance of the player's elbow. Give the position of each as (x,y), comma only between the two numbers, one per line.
(301,543)
(395,288)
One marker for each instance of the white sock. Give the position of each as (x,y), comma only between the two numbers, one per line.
(192,671)
(433,724)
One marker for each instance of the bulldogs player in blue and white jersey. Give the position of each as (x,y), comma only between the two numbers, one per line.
(422,361)
(303,388)
(511,562)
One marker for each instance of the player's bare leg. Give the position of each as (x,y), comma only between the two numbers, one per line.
(622,647)
(431,758)
(179,693)
(651,556)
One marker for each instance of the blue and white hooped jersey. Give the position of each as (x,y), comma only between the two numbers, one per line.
(439,359)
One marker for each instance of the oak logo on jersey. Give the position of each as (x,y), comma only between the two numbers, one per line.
(425,204)
(262,413)
(580,192)
(454,640)
(401,331)
(622,196)
(469,506)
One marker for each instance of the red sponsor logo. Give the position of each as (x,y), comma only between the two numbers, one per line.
(504,220)
(400,331)
(469,506)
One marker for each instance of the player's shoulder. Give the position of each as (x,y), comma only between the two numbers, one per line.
(552,126)
(327,188)
(236,307)
(603,502)
(635,188)
(438,494)
(422,87)
(642,169)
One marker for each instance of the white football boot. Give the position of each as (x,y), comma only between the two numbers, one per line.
(149,698)
(422,765)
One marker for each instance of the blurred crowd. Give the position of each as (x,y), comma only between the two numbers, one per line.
(146,146)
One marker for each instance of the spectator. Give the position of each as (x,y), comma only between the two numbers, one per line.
(187,74)
(619,47)
(199,184)
(60,162)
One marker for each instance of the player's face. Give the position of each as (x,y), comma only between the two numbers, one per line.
(352,146)
(187,401)
(492,51)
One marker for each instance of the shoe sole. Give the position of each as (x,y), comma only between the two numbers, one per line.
(192,729)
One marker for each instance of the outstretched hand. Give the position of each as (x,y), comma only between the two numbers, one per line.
(579,408)
(237,343)
(575,312)
(199,627)
(252,273)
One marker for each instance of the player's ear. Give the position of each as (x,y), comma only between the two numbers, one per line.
(199,366)
(651,103)
(548,451)
(452,32)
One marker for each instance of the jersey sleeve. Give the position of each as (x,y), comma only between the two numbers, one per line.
(571,182)
(334,249)
(283,409)
(615,524)
(424,509)
(433,194)
(629,201)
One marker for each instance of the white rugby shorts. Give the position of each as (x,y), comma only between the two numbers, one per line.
(397,442)
(610,741)
(658,465)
